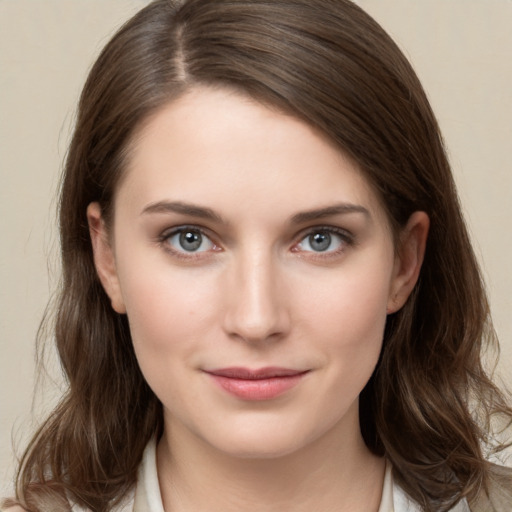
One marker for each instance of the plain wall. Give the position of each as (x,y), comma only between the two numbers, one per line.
(461,49)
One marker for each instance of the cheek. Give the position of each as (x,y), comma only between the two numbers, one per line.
(169,310)
(346,315)
(170,316)
(350,302)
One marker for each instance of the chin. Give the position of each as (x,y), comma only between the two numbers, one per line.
(255,439)
(261,448)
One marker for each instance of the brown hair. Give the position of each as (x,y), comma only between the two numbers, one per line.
(429,402)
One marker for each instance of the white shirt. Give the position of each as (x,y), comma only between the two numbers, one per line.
(147,497)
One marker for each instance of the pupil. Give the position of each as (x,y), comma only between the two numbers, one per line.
(190,240)
(320,241)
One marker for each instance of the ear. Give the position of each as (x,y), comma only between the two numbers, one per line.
(408,260)
(104,259)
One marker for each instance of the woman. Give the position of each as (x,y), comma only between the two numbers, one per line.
(269,296)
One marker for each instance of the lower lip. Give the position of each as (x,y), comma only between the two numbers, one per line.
(257,389)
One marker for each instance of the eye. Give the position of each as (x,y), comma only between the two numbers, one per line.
(189,240)
(327,240)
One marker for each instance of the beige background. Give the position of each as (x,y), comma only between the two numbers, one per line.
(462,50)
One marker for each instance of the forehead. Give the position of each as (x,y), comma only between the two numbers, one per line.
(221,148)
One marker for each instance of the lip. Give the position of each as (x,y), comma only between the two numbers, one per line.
(259,384)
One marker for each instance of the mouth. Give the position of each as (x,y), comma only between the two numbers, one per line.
(260,384)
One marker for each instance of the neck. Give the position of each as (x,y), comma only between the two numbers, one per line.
(334,473)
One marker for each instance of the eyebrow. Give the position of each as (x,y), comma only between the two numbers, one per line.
(208,214)
(183,208)
(328,211)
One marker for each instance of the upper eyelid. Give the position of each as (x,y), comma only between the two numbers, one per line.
(330,229)
(166,233)
(303,232)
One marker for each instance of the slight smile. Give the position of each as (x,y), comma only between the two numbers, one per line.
(260,384)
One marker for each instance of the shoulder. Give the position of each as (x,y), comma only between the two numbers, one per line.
(14,508)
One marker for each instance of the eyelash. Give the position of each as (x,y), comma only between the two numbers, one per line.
(346,240)
(164,238)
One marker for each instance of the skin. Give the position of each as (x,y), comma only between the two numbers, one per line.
(256,293)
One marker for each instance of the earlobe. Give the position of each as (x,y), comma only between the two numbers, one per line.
(104,259)
(408,261)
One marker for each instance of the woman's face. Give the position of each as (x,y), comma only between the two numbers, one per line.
(256,267)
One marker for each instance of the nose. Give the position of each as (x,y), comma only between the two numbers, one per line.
(257,307)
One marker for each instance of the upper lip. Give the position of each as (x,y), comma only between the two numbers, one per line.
(257,374)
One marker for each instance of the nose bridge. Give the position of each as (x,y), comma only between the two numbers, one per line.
(257,304)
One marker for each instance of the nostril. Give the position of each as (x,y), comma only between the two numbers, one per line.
(255,322)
